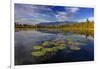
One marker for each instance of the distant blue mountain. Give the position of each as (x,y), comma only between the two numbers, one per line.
(55,23)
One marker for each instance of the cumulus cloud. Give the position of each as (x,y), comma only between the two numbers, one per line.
(67,14)
(91,18)
(61,16)
(84,20)
(72,10)
(29,13)
(32,14)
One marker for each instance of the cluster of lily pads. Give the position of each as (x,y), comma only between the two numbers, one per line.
(54,46)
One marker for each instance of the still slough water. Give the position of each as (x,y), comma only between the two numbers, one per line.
(38,47)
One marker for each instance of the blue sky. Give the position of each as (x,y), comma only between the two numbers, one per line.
(34,14)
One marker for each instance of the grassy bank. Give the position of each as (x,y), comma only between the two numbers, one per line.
(86,28)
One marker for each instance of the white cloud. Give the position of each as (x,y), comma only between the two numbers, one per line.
(68,14)
(61,16)
(29,13)
(84,20)
(72,10)
(36,14)
(91,18)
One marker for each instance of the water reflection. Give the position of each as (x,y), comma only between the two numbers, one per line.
(36,47)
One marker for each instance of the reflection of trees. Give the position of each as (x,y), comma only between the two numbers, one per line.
(86,28)
(24,26)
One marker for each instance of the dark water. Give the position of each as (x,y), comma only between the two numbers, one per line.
(25,40)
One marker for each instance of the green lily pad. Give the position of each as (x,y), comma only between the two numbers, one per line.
(60,42)
(69,39)
(38,53)
(37,47)
(70,42)
(75,48)
(61,47)
(53,49)
(80,43)
(45,43)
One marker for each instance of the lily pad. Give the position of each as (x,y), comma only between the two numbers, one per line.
(37,47)
(75,48)
(71,42)
(69,39)
(38,53)
(45,43)
(61,47)
(53,49)
(80,43)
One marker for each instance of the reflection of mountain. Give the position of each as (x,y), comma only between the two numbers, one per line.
(55,23)
(86,28)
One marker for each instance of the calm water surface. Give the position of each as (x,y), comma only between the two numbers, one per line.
(25,40)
